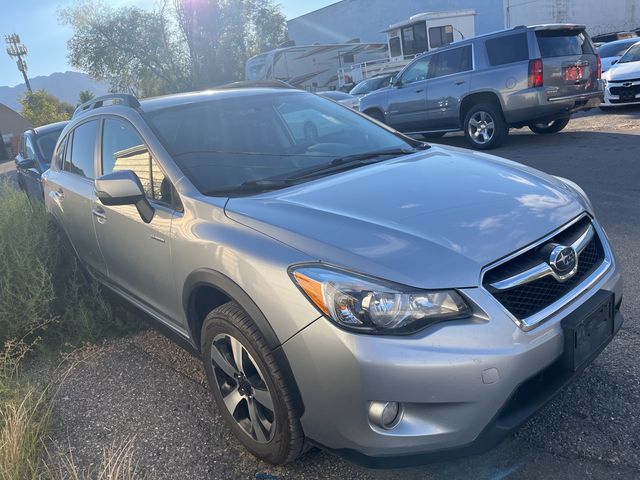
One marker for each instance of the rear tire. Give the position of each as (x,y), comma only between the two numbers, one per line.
(551,127)
(248,386)
(485,127)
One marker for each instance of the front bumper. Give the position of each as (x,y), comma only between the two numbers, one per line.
(457,381)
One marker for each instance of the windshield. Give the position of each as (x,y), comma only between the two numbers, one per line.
(615,49)
(224,143)
(632,55)
(46,143)
(369,85)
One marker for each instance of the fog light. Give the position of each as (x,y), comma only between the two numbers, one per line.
(385,414)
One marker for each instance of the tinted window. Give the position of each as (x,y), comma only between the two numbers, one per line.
(414,39)
(46,143)
(59,157)
(452,61)
(417,71)
(615,49)
(82,150)
(563,43)
(222,143)
(124,149)
(507,49)
(632,55)
(439,36)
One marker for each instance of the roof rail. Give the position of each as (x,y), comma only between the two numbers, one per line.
(125,99)
(256,84)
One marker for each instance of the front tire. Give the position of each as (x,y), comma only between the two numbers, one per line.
(551,127)
(248,387)
(485,127)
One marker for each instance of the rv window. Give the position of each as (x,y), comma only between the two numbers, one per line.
(348,58)
(394,47)
(507,49)
(414,39)
(439,36)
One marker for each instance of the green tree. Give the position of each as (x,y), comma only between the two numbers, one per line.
(85,96)
(41,108)
(176,47)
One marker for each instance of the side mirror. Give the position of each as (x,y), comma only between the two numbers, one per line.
(27,163)
(124,188)
(395,81)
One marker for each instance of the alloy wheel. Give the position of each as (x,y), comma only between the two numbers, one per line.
(481,127)
(243,388)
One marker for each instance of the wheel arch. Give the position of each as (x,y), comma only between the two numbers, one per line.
(476,98)
(206,289)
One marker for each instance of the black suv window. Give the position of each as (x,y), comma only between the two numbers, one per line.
(417,71)
(563,43)
(29,151)
(80,157)
(124,149)
(507,49)
(452,61)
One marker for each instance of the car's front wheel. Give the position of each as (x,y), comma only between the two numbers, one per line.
(249,389)
(485,126)
(549,127)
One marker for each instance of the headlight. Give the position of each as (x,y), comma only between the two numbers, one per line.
(369,305)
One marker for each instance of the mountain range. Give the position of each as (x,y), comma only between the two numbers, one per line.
(64,85)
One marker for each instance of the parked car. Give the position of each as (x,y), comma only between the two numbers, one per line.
(611,52)
(623,80)
(372,84)
(342,98)
(525,76)
(34,156)
(365,292)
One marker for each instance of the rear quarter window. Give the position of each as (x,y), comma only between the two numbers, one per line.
(507,49)
(563,43)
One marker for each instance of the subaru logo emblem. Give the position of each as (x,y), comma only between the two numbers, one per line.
(564,261)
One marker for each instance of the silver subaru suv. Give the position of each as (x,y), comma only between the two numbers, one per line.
(345,286)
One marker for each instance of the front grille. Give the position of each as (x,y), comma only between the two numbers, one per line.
(528,299)
(632,90)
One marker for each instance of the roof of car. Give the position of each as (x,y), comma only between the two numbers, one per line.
(50,127)
(167,101)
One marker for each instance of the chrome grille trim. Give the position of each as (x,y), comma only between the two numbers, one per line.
(531,322)
(543,269)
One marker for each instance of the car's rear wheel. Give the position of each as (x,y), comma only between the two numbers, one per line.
(248,387)
(485,126)
(549,127)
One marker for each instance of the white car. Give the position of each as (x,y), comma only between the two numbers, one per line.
(611,52)
(622,81)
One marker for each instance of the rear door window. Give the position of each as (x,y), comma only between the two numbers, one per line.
(563,43)
(452,61)
(507,49)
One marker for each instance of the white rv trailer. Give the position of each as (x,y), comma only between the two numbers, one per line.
(311,67)
(420,33)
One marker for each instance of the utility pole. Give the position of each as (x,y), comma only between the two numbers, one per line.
(16,50)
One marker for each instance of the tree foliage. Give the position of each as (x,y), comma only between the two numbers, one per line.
(85,96)
(180,45)
(41,108)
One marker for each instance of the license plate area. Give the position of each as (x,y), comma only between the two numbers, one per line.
(587,330)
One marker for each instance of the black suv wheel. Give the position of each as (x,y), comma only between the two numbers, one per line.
(248,387)
(485,127)
(550,127)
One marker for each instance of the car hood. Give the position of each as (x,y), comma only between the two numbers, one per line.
(624,71)
(430,220)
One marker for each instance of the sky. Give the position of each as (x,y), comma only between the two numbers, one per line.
(36,21)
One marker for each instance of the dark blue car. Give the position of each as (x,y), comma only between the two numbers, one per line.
(34,157)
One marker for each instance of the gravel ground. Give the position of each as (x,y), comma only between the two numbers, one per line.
(146,388)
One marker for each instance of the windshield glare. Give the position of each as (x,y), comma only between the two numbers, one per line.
(632,55)
(223,143)
(615,49)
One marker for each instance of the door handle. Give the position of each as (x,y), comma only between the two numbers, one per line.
(460,82)
(99,213)
(420,90)
(58,194)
